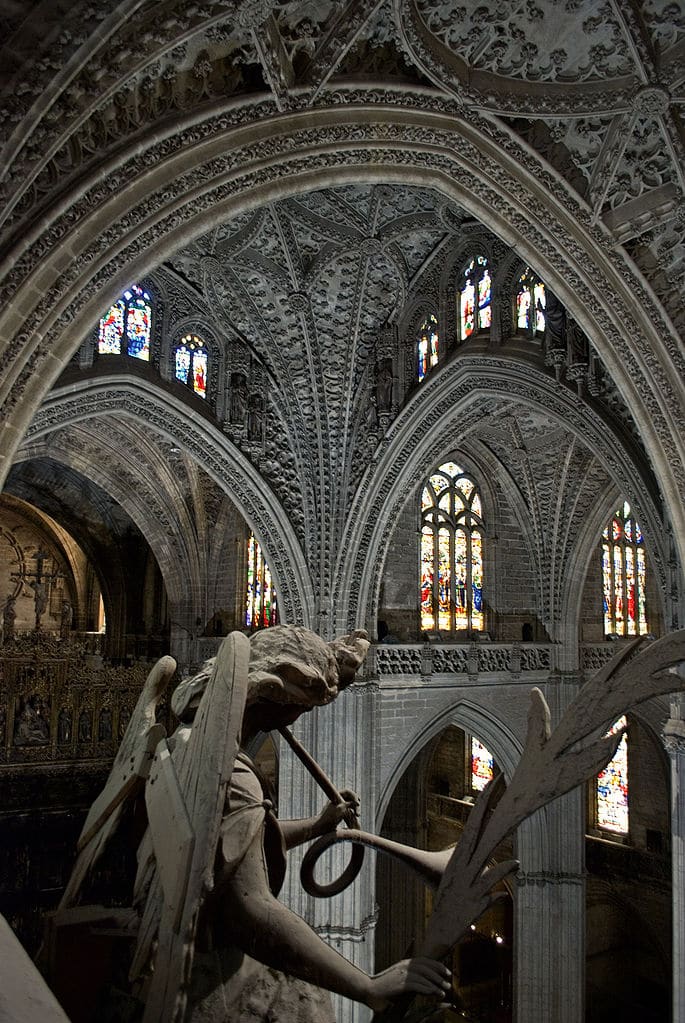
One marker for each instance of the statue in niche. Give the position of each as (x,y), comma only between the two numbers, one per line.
(9,614)
(105,725)
(85,727)
(64,727)
(124,718)
(31,727)
(255,418)
(555,322)
(384,385)
(212,938)
(238,398)
(66,619)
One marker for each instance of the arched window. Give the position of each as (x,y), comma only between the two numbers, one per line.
(190,363)
(451,552)
(261,606)
(623,575)
(611,789)
(427,347)
(530,303)
(126,328)
(475,297)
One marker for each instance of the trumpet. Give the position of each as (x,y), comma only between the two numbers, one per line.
(429,866)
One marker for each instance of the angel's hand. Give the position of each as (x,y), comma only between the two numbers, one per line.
(421,976)
(334,813)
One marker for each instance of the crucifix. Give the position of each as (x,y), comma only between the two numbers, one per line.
(39,583)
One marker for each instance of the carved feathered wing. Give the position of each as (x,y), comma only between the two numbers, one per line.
(185,814)
(128,774)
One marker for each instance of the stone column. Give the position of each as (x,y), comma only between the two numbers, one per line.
(550,896)
(674,740)
(550,914)
(341,738)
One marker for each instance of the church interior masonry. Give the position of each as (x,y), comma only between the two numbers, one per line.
(355,314)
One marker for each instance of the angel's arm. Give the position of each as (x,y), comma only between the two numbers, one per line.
(271,933)
(298,831)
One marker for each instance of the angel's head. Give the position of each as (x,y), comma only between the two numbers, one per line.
(291,670)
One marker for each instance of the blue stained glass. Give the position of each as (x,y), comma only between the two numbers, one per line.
(182,358)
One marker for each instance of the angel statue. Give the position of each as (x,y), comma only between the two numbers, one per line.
(212,941)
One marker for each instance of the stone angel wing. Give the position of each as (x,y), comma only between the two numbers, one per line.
(185,797)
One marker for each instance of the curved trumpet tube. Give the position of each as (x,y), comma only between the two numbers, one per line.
(428,865)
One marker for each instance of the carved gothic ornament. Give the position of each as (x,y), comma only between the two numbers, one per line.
(130,134)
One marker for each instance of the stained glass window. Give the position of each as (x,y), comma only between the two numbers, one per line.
(261,606)
(612,787)
(475,298)
(190,363)
(482,765)
(452,552)
(127,326)
(624,575)
(530,303)
(427,345)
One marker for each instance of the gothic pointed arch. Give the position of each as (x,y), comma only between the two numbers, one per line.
(607,327)
(223,461)
(461,399)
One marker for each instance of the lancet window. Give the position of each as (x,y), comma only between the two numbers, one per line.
(475,298)
(126,329)
(612,788)
(623,575)
(427,345)
(452,545)
(530,303)
(190,363)
(261,605)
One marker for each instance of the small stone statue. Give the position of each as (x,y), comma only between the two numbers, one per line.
(105,725)
(238,399)
(85,728)
(255,418)
(9,615)
(66,619)
(384,385)
(64,727)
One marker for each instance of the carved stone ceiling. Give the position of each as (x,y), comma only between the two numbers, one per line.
(597,87)
(305,287)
